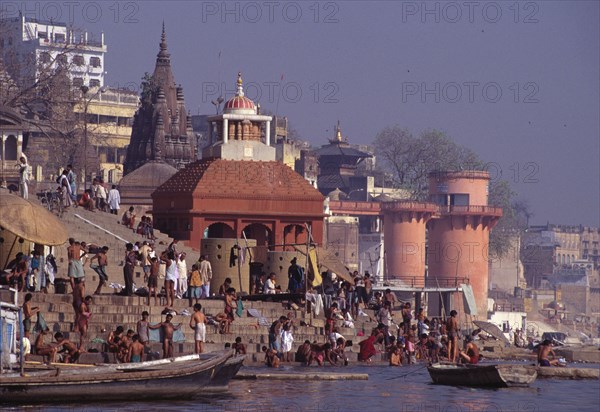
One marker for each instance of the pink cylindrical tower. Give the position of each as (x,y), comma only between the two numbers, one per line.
(404,236)
(458,244)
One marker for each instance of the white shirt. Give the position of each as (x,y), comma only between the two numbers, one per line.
(182,269)
(269,287)
(205,270)
(100,191)
(114,199)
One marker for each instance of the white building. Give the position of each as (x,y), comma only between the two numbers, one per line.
(31,47)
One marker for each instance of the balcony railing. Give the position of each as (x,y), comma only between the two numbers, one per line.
(471,210)
(375,208)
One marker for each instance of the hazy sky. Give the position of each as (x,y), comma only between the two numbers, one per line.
(517,82)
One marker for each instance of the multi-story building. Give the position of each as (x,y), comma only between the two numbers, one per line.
(109,123)
(32,48)
(589,248)
(563,258)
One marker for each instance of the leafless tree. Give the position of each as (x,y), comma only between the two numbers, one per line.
(409,160)
(51,106)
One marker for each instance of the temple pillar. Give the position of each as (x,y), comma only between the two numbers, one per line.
(3,157)
(19,144)
(225,131)
(278,229)
(268,134)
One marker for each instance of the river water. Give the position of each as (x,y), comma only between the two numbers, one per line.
(405,389)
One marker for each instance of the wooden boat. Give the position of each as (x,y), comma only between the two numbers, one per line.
(220,382)
(495,376)
(175,378)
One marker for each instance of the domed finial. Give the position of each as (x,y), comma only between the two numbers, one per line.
(338,132)
(240,89)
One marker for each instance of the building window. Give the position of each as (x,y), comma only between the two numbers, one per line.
(95,61)
(77,81)
(94,83)
(42,35)
(10,147)
(61,59)
(59,38)
(78,60)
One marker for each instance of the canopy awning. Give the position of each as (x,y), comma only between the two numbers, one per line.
(327,260)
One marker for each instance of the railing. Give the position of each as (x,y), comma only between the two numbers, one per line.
(410,205)
(407,281)
(475,210)
(421,281)
(462,174)
(509,307)
(355,206)
(446,282)
(375,208)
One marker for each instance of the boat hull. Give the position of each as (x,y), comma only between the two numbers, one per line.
(175,380)
(493,376)
(220,382)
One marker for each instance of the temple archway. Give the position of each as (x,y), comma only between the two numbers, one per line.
(293,235)
(264,239)
(10,148)
(219,230)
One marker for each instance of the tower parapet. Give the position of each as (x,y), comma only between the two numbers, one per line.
(404,232)
(458,247)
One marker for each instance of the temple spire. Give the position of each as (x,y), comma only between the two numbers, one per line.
(163,54)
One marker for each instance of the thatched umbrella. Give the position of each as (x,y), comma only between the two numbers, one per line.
(30,222)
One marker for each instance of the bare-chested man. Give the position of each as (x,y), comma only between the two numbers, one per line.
(136,350)
(238,346)
(68,350)
(198,324)
(100,268)
(113,339)
(544,351)
(44,349)
(320,353)
(19,273)
(82,318)
(271,358)
(452,329)
(167,329)
(124,345)
(28,312)
(471,352)
(74,253)
(303,353)
(153,279)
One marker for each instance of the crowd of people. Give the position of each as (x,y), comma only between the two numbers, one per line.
(414,339)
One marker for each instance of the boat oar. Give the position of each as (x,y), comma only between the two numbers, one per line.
(409,373)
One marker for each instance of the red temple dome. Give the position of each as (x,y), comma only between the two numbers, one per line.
(239,103)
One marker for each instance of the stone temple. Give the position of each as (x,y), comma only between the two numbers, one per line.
(162,140)
(238,194)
